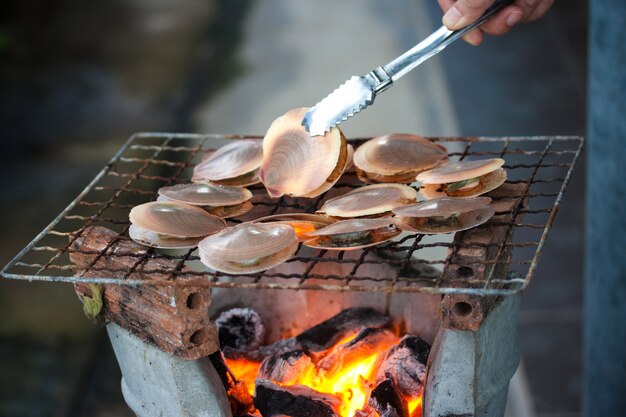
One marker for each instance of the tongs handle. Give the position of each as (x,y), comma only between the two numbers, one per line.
(430,46)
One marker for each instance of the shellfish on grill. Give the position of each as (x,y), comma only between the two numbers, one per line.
(463,178)
(353,234)
(302,223)
(248,247)
(444,215)
(298,165)
(221,200)
(370,200)
(236,163)
(397,157)
(169,224)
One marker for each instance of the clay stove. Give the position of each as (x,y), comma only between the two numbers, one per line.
(459,294)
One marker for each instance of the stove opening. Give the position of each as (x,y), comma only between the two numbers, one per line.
(357,363)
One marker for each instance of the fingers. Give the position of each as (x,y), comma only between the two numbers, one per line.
(540,10)
(464,12)
(474,37)
(504,21)
(460,13)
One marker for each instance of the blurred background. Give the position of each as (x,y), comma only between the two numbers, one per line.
(77,78)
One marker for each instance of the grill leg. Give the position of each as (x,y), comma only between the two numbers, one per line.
(469,370)
(155,383)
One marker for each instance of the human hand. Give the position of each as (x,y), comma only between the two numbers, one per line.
(459,14)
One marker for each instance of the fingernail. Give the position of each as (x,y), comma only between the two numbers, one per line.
(514,18)
(452,17)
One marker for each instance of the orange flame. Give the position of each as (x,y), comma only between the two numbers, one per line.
(245,371)
(352,384)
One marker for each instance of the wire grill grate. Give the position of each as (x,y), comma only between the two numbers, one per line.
(540,166)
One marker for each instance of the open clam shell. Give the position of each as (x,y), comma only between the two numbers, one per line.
(397,157)
(160,241)
(175,219)
(206,194)
(442,207)
(295,163)
(353,234)
(466,220)
(301,223)
(487,172)
(369,200)
(248,248)
(219,200)
(235,163)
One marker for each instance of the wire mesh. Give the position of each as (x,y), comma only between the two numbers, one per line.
(538,166)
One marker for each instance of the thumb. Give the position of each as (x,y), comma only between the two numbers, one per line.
(465,12)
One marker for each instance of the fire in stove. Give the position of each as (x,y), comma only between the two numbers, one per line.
(355,364)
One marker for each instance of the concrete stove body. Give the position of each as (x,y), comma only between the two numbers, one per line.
(471,364)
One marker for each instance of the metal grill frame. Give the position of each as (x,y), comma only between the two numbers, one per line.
(512,283)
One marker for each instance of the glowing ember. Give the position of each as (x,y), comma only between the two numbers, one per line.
(245,371)
(351,383)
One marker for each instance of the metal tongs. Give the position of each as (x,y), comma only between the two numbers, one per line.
(360,91)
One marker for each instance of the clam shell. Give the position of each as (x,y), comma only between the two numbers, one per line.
(380,230)
(352,225)
(245,180)
(369,200)
(175,219)
(295,163)
(155,240)
(459,171)
(349,157)
(488,182)
(206,194)
(467,220)
(302,223)
(444,206)
(232,160)
(397,157)
(270,243)
(227,212)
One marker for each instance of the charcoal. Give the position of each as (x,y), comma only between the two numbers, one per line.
(258,355)
(240,329)
(367,342)
(284,368)
(387,400)
(326,334)
(293,401)
(241,401)
(405,365)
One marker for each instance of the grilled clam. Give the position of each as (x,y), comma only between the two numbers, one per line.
(444,215)
(248,247)
(302,223)
(220,200)
(353,234)
(169,224)
(397,157)
(236,163)
(370,200)
(463,178)
(295,163)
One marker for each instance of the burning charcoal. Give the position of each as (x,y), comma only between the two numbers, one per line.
(387,400)
(241,401)
(240,329)
(284,368)
(294,401)
(326,334)
(366,343)
(405,365)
